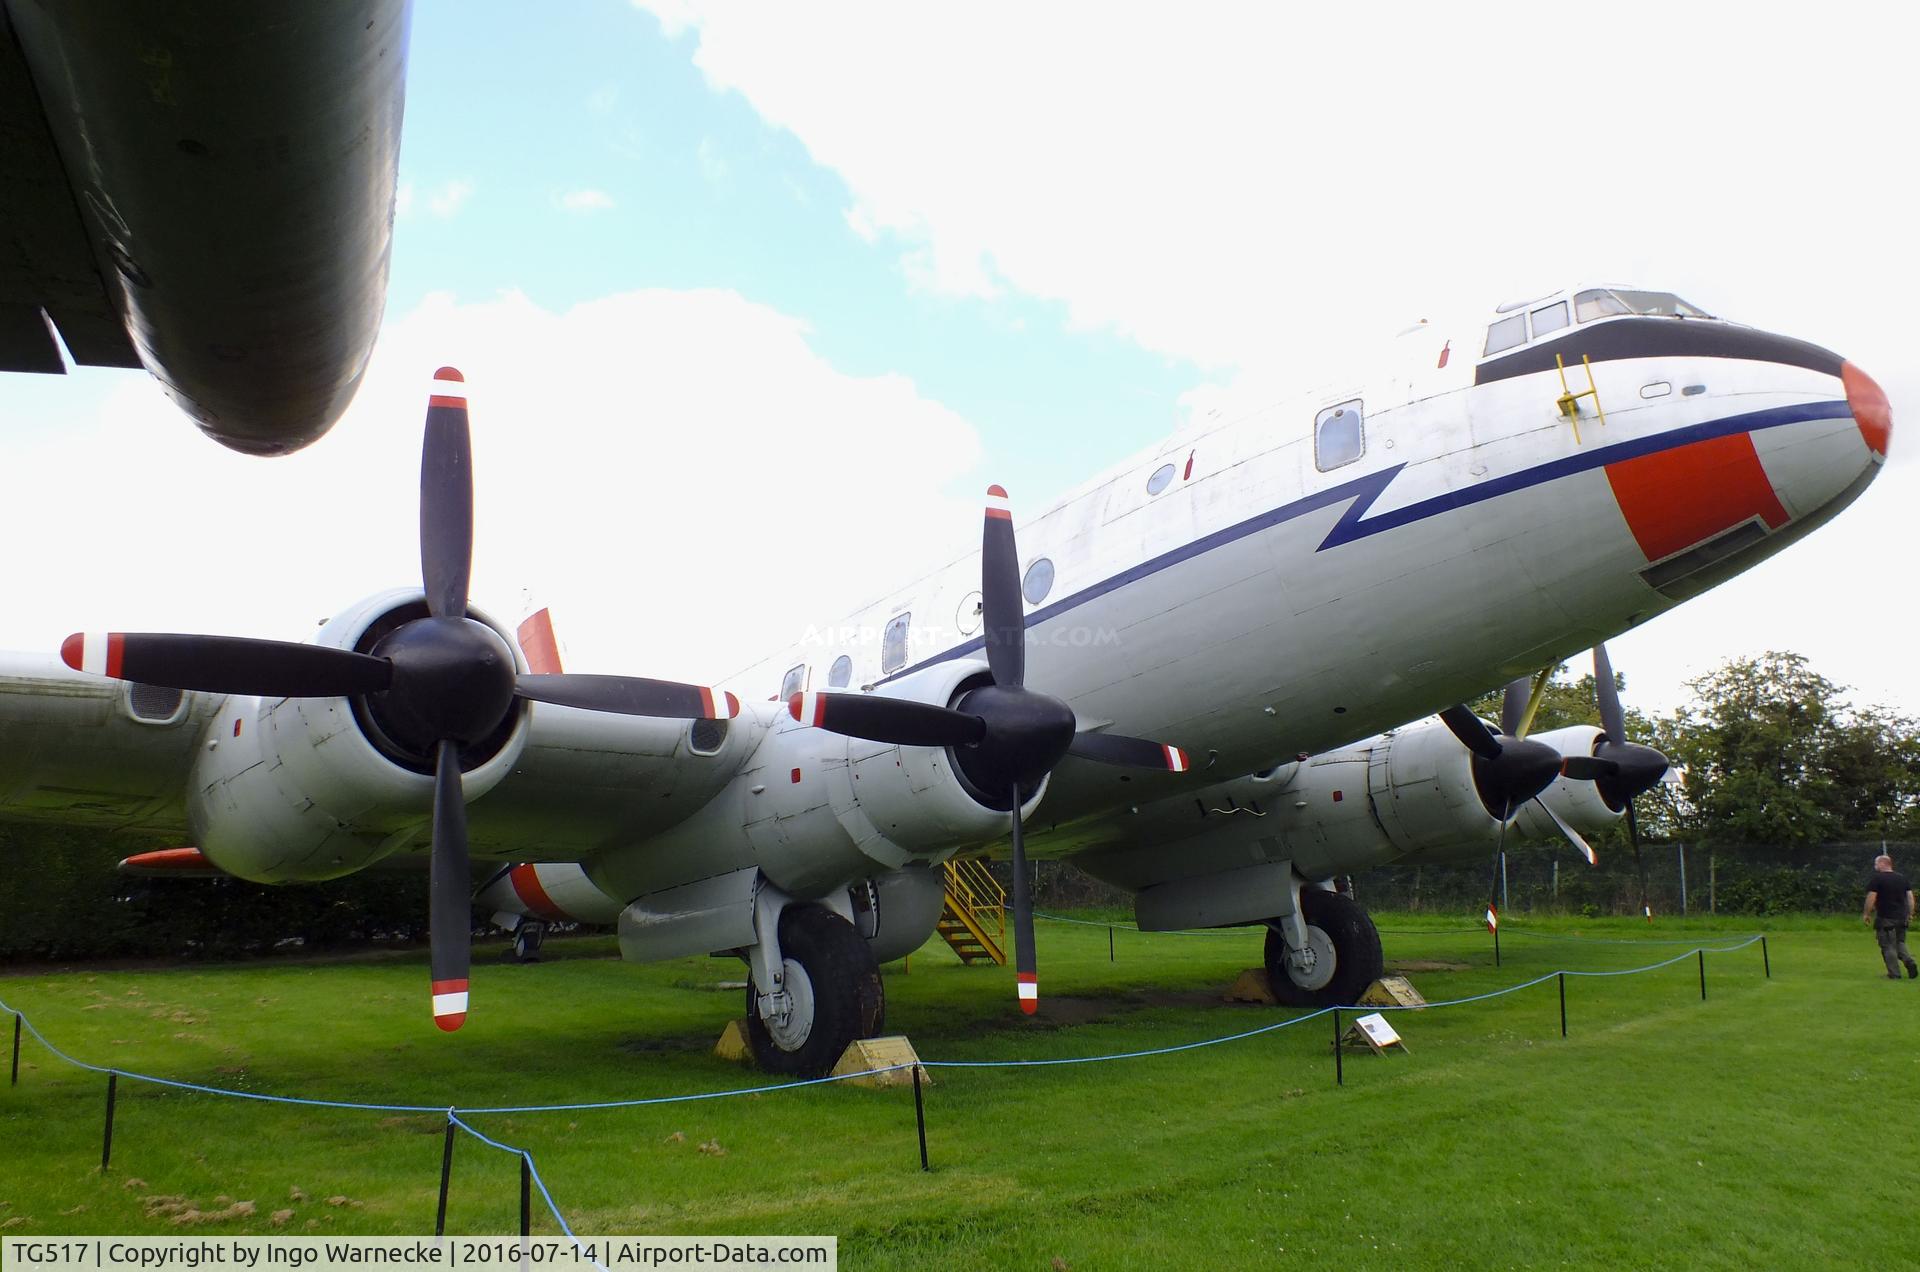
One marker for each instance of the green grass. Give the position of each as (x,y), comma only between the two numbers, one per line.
(1761,1128)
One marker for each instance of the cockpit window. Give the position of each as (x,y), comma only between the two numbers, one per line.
(1508,333)
(1337,438)
(793,682)
(1603,302)
(1549,318)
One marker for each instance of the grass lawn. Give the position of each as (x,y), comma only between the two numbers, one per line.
(1761,1128)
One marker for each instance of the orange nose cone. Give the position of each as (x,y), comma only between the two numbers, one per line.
(1871,411)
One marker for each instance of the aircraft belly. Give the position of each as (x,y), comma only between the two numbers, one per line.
(235,167)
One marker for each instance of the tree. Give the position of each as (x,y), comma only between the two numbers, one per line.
(1775,755)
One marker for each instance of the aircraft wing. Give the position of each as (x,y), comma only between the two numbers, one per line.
(85,751)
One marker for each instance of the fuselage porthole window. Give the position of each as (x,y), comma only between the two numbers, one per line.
(1161,479)
(1038,581)
(1508,333)
(840,675)
(1549,318)
(793,682)
(893,644)
(1338,437)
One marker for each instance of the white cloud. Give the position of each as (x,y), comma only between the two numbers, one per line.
(586,201)
(678,474)
(1266,190)
(449,198)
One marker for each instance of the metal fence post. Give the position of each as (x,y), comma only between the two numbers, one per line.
(526,1195)
(1766,964)
(920,1118)
(1703,974)
(1563,1004)
(446,1174)
(17,1018)
(1339,1070)
(106,1141)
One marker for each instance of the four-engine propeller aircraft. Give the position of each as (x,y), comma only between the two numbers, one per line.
(1198,633)
(205,188)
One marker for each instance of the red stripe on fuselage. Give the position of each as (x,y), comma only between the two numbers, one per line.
(526,885)
(1676,498)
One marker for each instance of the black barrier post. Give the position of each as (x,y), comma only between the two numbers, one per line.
(1766,965)
(446,1175)
(1496,945)
(1703,974)
(1109,942)
(1339,1071)
(1563,1004)
(17,1018)
(920,1118)
(106,1141)
(526,1195)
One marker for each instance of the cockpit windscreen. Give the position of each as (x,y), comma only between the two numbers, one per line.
(1603,302)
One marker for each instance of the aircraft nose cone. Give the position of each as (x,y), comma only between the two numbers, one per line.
(1871,410)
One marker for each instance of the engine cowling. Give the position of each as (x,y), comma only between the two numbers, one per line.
(299,789)
(1577,803)
(815,810)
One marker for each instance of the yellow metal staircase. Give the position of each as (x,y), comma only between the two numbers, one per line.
(974,922)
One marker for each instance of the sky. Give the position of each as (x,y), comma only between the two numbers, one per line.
(755,300)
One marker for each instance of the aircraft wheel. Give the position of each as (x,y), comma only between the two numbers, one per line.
(1343,954)
(834,983)
(527,939)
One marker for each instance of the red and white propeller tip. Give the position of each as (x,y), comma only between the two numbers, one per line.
(997,505)
(450,1004)
(97,653)
(1029,986)
(1176,759)
(718,704)
(808,708)
(449,388)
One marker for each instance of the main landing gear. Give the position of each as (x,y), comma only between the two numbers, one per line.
(527,940)
(824,994)
(1325,954)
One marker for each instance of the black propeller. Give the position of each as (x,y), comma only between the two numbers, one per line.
(435,684)
(1508,770)
(1635,769)
(1005,738)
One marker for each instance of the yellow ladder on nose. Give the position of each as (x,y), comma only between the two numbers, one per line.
(974,921)
(1569,401)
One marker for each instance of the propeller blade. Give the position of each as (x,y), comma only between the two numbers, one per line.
(446,498)
(450,910)
(1025,964)
(1004,620)
(227,664)
(1472,732)
(1113,748)
(1573,836)
(629,695)
(1513,707)
(893,720)
(1612,718)
(1587,768)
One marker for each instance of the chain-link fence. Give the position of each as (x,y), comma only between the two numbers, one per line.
(1679,878)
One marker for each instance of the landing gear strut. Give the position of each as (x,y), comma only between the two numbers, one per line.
(829,996)
(527,939)
(1331,956)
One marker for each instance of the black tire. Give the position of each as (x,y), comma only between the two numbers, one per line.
(843,982)
(1357,961)
(527,939)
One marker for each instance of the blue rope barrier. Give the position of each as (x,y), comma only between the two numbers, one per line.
(452,1112)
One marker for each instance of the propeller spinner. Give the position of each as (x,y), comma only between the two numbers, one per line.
(437,683)
(1005,738)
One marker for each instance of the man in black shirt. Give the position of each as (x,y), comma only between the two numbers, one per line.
(1889,907)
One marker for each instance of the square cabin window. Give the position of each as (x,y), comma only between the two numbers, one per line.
(1508,333)
(893,644)
(1549,318)
(1337,436)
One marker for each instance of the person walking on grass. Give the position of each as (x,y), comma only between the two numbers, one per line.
(1889,907)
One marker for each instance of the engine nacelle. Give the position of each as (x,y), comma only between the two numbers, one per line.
(1577,803)
(815,810)
(296,789)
